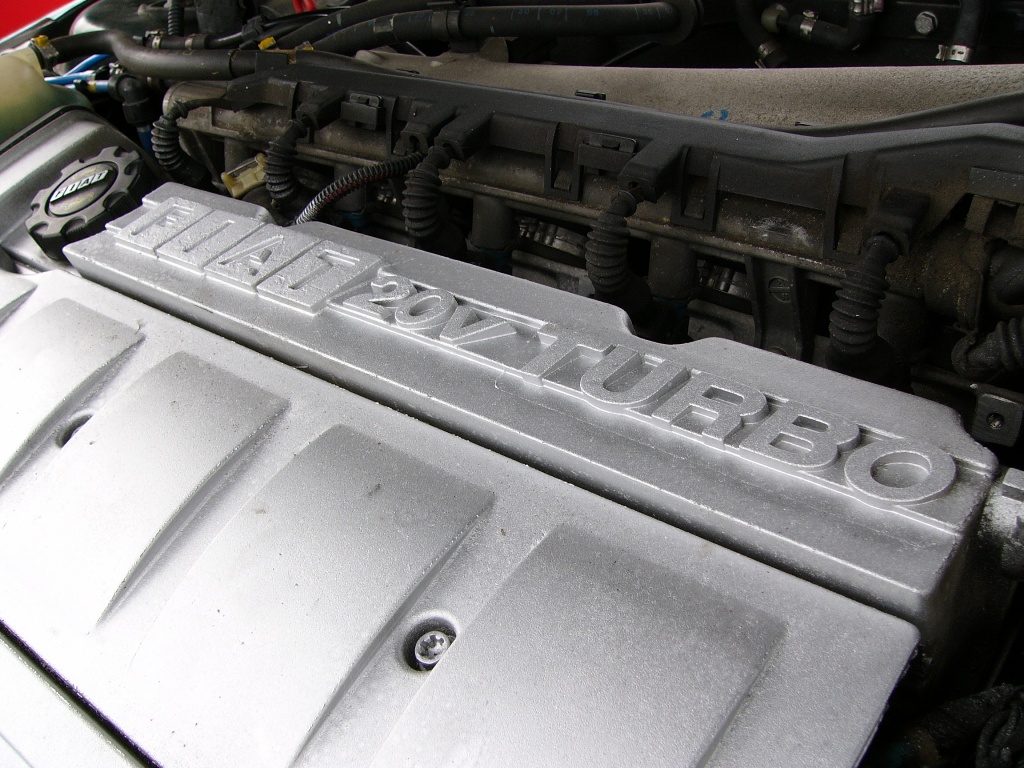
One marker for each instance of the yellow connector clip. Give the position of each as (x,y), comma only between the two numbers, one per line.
(246,177)
(267,42)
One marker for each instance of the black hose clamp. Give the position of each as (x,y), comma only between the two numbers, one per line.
(44,51)
(383,29)
(961,54)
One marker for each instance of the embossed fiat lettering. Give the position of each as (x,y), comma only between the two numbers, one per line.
(665,395)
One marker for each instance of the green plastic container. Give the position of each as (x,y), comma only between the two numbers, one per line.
(25,96)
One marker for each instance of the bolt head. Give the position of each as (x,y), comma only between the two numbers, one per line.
(926,23)
(430,648)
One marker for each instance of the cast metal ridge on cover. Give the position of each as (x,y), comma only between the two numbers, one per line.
(298,268)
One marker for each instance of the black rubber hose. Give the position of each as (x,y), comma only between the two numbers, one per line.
(1005,286)
(606,253)
(1001,743)
(1007,108)
(854,345)
(233,40)
(1001,351)
(509,21)
(201,42)
(421,206)
(168,151)
(937,737)
(347,17)
(552,4)
(165,65)
(283,185)
(967,29)
(606,247)
(275,29)
(570,20)
(241,38)
(349,183)
(768,49)
(374,9)
(221,17)
(421,202)
(190,43)
(175,18)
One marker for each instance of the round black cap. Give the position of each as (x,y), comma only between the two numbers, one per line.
(88,194)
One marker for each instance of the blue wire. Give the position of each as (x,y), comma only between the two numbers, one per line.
(94,86)
(70,79)
(88,64)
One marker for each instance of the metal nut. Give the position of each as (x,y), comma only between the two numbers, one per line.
(430,648)
(926,23)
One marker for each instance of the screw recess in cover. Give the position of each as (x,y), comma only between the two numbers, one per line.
(430,648)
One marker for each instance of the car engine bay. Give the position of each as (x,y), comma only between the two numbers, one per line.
(514,382)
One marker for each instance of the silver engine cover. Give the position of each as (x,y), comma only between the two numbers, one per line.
(229,558)
(869,492)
